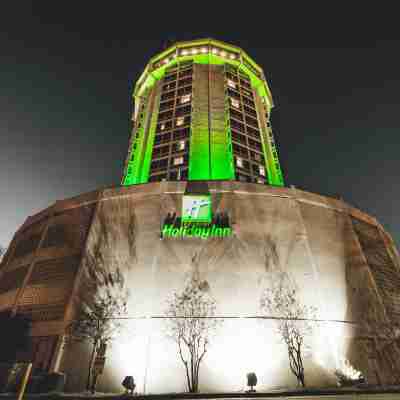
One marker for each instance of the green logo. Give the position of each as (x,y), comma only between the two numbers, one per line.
(197,220)
(196,208)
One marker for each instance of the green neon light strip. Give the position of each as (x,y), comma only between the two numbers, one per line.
(132,176)
(274,173)
(156,71)
(147,81)
(199,158)
(154,105)
(220,143)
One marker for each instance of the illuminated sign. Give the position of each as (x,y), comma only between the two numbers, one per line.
(197,220)
(196,208)
(194,230)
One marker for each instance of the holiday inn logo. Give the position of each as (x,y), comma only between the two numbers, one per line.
(197,220)
(196,208)
(191,230)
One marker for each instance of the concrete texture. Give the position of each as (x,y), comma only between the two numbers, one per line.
(334,253)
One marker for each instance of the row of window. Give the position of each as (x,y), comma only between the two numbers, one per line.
(243,177)
(245,90)
(246,140)
(177,134)
(246,166)
(171,143)
(173,85)
(175,102)
(179,174)
(248,101)
(171,114)
(172,94)
(175,75)
(167,150)
(166,163)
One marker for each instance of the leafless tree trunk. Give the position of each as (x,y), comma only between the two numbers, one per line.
(294,320)
(190,323)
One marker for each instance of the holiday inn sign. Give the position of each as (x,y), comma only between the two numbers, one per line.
(197,220)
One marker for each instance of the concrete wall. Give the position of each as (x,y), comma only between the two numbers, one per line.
(313,238)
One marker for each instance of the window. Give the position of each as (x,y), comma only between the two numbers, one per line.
(249,102)
(239,162)
(255,144)
(169,86)
(183,174)
(262,170)
(233,94)
(162,138)
(236,114)
(181,134)
(185,90)
(253,132)
(180,121)
(246,92)
(239,150)
(256,156)
(245,84)
(237,137)
(250,111)
(159,164)
(166,105)
(231,84)
(185,73)
(162,127)
(179,146)
(185,82)
(237,125)
(235,103)
(183,110)
(173,175)
(165,115)
(167,96)
(185,98)
(160,151)
(178,160)
(157,178)
(251,121)
(231,76)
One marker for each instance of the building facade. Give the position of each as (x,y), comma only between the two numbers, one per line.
(201,120)
(202,112)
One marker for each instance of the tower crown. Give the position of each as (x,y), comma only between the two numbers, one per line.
(202,113)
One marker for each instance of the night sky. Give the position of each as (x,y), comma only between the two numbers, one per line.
(66,70)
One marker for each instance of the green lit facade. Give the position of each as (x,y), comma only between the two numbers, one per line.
(202,112)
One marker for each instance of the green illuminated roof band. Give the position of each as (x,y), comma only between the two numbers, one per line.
(206,51)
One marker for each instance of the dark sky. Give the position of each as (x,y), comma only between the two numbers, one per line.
(66,69)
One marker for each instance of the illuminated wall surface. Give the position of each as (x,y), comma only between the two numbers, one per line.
(201,112)
(342,260)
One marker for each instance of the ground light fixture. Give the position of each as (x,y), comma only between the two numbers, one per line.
(129,384)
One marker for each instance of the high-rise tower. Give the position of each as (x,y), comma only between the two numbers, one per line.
(202,112)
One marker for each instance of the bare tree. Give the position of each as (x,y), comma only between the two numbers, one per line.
(294,320)
(190,323)
(102,297)
(102,302)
